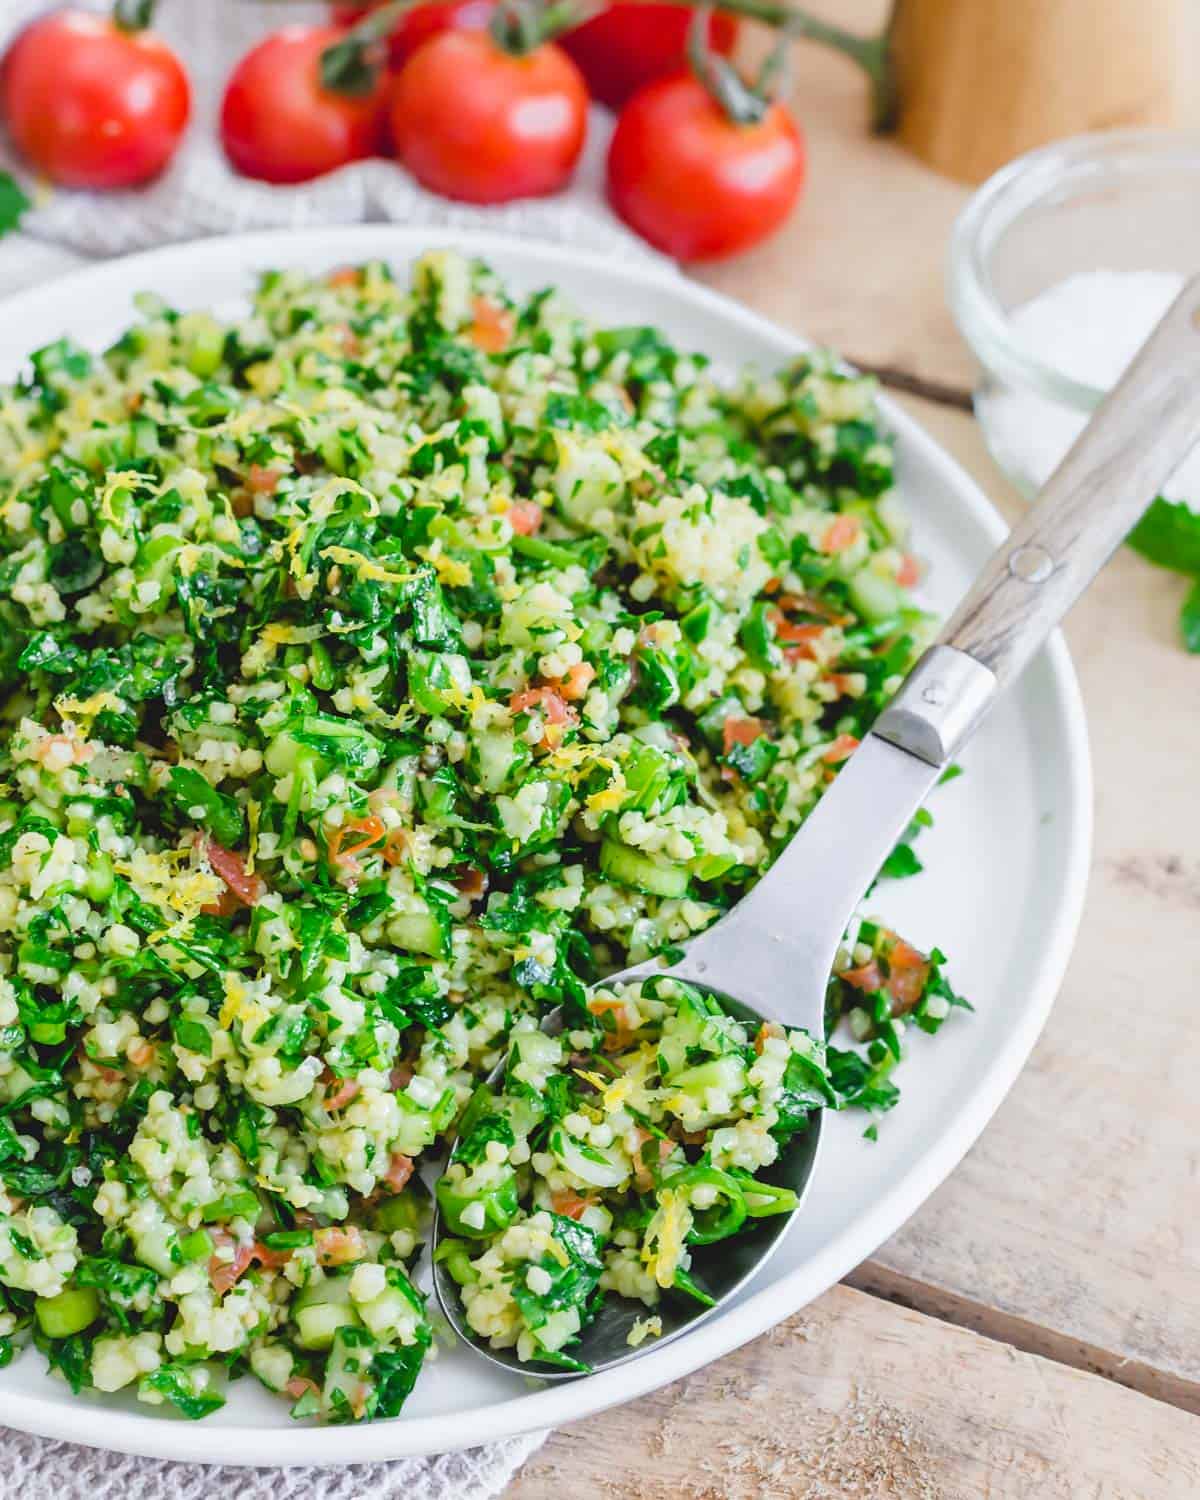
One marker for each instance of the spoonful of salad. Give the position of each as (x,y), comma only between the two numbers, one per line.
(630,1165)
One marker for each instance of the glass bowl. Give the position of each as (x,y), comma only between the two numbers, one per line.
(1122,201)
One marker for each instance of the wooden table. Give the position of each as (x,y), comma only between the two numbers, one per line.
(1035,1330)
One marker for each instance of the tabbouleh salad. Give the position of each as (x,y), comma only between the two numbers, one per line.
(379,670)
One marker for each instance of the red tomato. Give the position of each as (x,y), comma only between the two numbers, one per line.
(248,889)
(738,731)
(421,22)
(567,1201)
(908,574)
(92,105)
(400,1169)
(492,328)
(472,121)
(841,533)
(908,973)
(525,516)
(842,748)
(281,124)
(632,42)
(693,182)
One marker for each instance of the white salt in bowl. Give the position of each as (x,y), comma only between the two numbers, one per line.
(1058,267)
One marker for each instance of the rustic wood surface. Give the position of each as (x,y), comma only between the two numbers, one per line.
(855,1399)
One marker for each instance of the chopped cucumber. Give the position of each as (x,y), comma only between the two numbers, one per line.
(532,1056)
(874,596)
(497,751)
(321,1309)
(630,867)
(727,1074)
(70,1312)
(316,1326)
(607,1168)
(417,931)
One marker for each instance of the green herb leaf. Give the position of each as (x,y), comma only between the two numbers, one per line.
(1169,535)
(1189,619)
(178,1383)
(13,203)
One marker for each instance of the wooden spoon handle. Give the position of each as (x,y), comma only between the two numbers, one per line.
(1140,433)
(1146,425)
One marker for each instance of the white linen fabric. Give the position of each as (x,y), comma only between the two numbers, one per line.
(37,1469)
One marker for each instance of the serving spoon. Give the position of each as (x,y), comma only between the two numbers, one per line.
(769,959)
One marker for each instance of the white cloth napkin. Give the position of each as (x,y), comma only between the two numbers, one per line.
(35,1469)
(200,195)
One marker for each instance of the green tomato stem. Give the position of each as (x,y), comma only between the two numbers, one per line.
(133,15)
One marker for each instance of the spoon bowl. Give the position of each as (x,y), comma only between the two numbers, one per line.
(721,1269)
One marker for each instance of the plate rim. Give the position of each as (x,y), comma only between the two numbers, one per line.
(147,1436)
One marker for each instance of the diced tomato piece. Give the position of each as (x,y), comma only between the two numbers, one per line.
(767,1029)
(842,681)
(867,977)
(142,1054)
(842,749)
(270,1260)
(643,1176)
(618,1040)
(570,1204)
(493,326)
(737,731)
(908,574)
(555,708)
(338,1247)
(373,830)
(225,905)
(224,1274)
(263,481)
(841,533)
(346,1090)
(300,1385)
(575,684)
(557,713)
(800,640)
(248,889)
(343,276)
(772,586)
(400,1169)
(472,884)
(908,973)
(525,516)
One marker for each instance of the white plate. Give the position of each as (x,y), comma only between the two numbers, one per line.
(1007,862)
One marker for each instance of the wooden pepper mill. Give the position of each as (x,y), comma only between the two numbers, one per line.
(980,81)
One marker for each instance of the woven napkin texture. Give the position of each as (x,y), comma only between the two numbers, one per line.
(198,196)
(36,1469)
(201,195)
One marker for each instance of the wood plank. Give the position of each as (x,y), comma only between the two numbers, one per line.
(1070,1227)
(860,266)
(856,1399)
